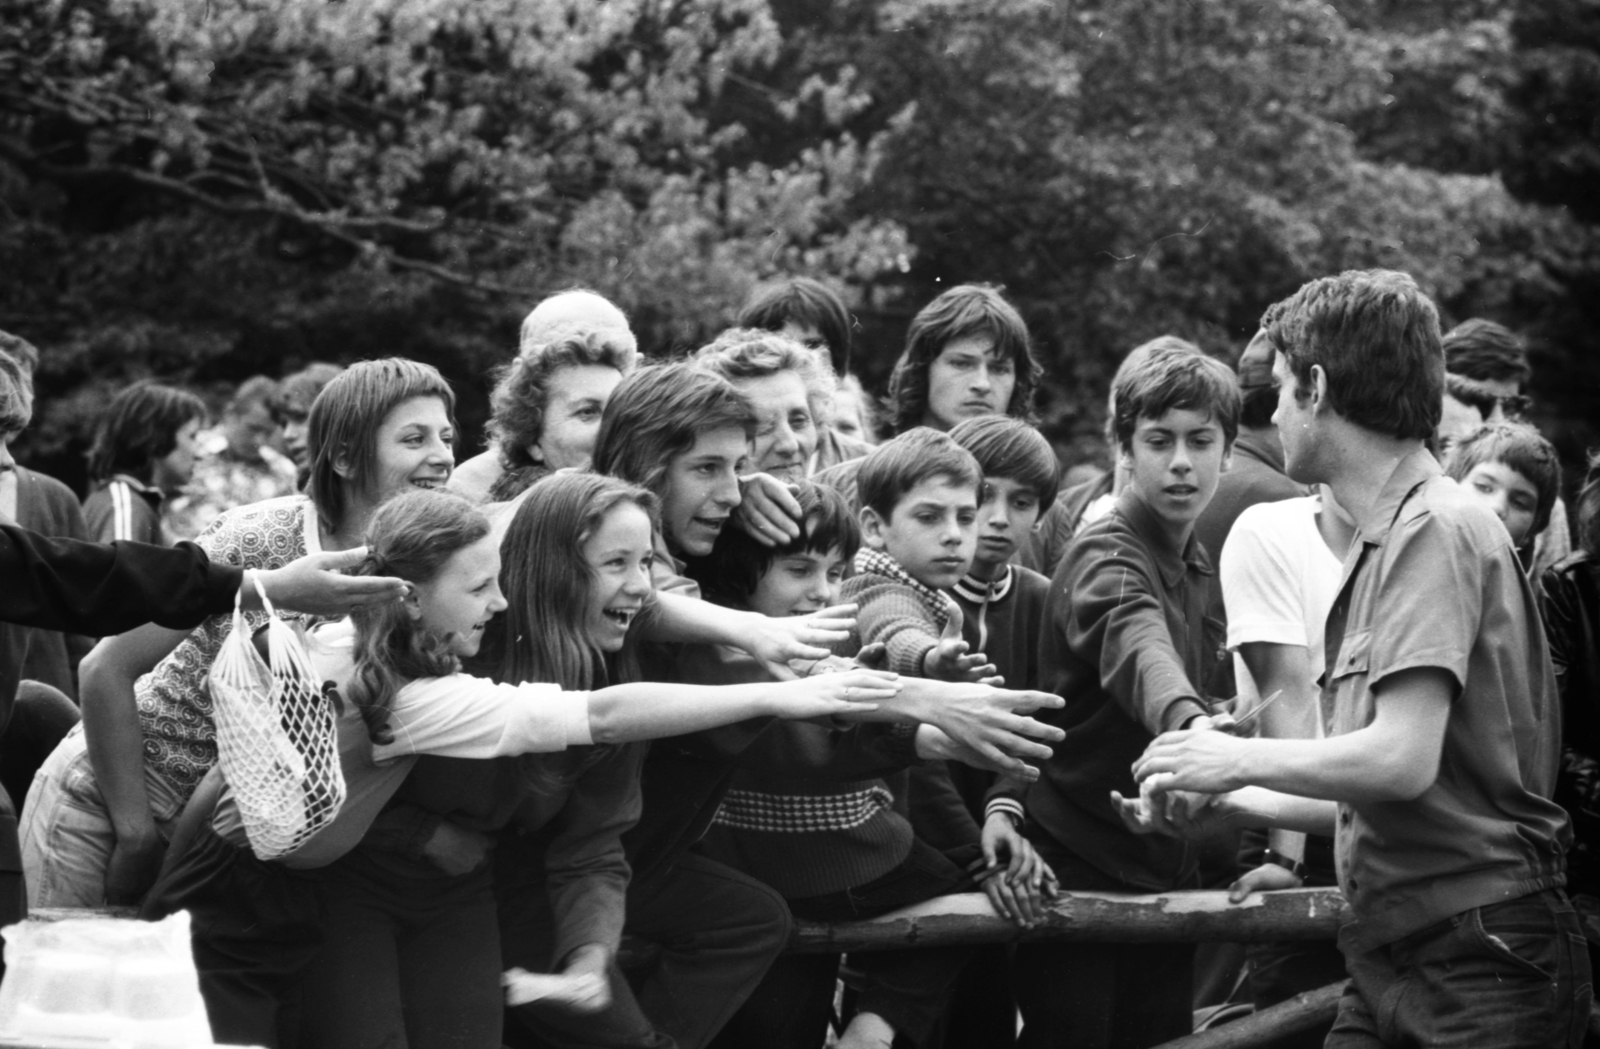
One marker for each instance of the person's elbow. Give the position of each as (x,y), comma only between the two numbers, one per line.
(1405,776)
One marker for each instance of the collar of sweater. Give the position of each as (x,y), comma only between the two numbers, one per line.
(981,593)
(876,562)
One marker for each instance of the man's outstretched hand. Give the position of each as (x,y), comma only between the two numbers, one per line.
(316,585)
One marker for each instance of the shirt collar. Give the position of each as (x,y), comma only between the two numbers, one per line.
(980,592)
(1171,563)
(1269,453)
(1408,473)
(876,562)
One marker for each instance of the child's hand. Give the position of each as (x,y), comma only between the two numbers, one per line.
(826,695)
(949,661)
(776,641)
(1019,888)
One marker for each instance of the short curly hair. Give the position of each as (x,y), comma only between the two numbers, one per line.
(522,388)
(748,353)
(965,310)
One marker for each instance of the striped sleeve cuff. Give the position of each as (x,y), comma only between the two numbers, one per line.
(1012,807)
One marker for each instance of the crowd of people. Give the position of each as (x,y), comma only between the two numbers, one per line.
(695,648)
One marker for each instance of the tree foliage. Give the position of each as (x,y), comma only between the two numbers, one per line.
(208,189)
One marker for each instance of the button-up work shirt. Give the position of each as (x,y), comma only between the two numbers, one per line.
(1432,580)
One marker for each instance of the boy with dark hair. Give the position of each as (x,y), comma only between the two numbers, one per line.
(1515,472)
(144,450)
(967,354)
(807,311)
(1439,702)
(1488,353)
(919,511)
(1127,643)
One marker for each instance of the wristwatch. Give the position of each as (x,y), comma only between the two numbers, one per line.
(1278,859)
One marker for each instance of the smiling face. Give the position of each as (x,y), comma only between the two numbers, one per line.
(1174,463)
(1513,498)
(575,398)
(966,380)
(786,433)
(1005,518)
(799,584)
(932,531)
(413,448)
(701,490)
(618,554)
(462,597)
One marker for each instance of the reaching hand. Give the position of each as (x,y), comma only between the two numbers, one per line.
(768,511)
(1192,816)
(775,641)
(988,724)
(315,584)
(948,660)
(826,695)
(457,850)
(1199,759)
(1019,888)
(1268,877)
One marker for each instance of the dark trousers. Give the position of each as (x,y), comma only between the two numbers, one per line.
(255,926)
(1279,971)
(982,1013)
(1100,995)
(791,1007)
(405,961)
(717,932)
(1512,975)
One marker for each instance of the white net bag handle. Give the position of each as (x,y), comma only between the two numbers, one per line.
(277,739)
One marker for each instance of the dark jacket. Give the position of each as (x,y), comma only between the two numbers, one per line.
(1570,601)
(1126,643)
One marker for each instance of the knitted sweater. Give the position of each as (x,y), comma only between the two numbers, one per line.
(894,609)
(801,833)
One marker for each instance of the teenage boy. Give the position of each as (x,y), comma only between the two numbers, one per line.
(1514,471)
(1439,703)
(1003,607)
(1127,644)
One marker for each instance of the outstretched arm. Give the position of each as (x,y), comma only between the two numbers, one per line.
(1394,758)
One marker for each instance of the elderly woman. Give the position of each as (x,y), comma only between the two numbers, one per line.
(548,403)
(790,388)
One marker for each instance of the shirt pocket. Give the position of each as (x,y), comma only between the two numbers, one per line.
(1346,701)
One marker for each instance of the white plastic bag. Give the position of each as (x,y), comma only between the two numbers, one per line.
(276,738)
(102,982)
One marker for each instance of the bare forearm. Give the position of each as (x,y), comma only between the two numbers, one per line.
(1355,768)
(1260,807)
(687,620)
(115,743)
(655,710)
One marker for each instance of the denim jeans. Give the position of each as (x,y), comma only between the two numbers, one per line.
(66,829)
(1512,974)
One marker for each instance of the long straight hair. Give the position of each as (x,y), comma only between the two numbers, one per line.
(411,536)
(549,587)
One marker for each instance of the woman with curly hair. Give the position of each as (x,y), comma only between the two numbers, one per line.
(548,402)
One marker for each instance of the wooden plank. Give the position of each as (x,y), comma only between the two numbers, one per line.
(1172,917)
(1301,1013)
(58,914)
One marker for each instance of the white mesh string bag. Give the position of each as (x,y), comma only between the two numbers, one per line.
(277,741)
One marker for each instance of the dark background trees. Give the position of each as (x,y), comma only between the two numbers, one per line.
(209,190)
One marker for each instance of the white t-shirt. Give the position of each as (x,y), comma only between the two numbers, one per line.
(459,716)
(1279,579)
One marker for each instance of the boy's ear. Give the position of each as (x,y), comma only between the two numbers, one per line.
(1319,388)
(872,526)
